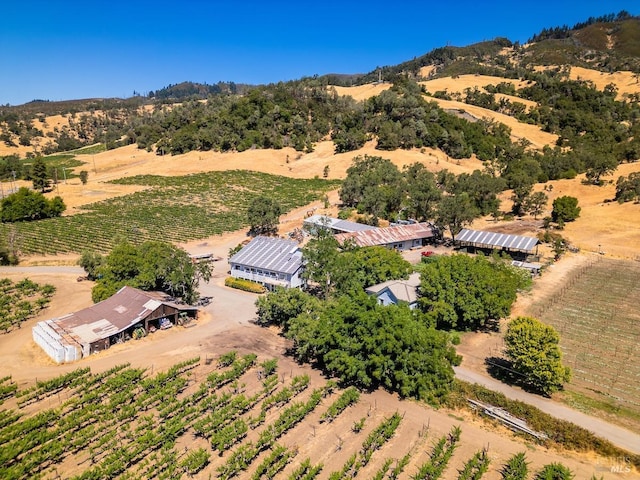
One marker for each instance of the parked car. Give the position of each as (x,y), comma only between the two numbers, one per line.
(165,323)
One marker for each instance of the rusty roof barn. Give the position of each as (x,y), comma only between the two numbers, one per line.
(400,237)
(79,334)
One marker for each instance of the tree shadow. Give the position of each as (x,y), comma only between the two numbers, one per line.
(502,369)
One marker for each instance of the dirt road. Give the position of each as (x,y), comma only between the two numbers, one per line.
(226,324)
(617,435)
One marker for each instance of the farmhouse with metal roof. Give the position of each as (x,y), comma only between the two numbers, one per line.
(399,237)
(335,225)
(269,261)
(77,335)
(518,246)
(393,292)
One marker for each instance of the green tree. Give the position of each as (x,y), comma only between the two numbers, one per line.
(39,175)
(151,266)
(628,188)
(263,216)
(454,212)
(599,164)
(533,348)
(535,203)
(468,293)
(26,205)
(370,346)
(373,185)
(324,267)
(339,270)
(482,188)
(422,192)
(280,306)
(375,265)
(91,262)
(84,176)
(565,209)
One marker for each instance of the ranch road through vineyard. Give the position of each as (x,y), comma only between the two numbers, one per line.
(226,324)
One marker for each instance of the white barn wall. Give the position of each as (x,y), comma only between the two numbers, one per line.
(49,341)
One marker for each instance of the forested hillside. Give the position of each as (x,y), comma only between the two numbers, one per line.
(596,129)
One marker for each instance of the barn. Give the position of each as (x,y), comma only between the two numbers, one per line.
(80,334)
(519,247)
(398,237)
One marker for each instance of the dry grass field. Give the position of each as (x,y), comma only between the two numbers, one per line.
(603,225)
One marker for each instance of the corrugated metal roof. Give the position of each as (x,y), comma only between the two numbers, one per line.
(337,224)
(122,310)
(485,239)
(389,235)
(268,253)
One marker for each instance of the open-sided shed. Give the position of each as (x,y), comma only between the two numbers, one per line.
(518,246)
(79,334)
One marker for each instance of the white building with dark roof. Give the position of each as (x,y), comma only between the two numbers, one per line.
(272,262)
(394,292)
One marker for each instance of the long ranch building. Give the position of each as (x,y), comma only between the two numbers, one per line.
(80,334)
(272,262)
(399,237)
(334,225)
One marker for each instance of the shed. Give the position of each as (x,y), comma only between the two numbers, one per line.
(79,334)
(518,246)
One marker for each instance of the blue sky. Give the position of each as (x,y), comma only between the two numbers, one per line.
(59,50)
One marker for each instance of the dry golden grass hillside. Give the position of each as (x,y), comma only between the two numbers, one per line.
(602,225)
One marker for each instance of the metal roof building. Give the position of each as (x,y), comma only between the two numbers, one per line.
(400,237)
(334,224)
(269,261)
(496,241)
(79,334)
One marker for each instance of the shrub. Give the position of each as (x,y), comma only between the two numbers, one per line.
(246,285)
(565,209)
